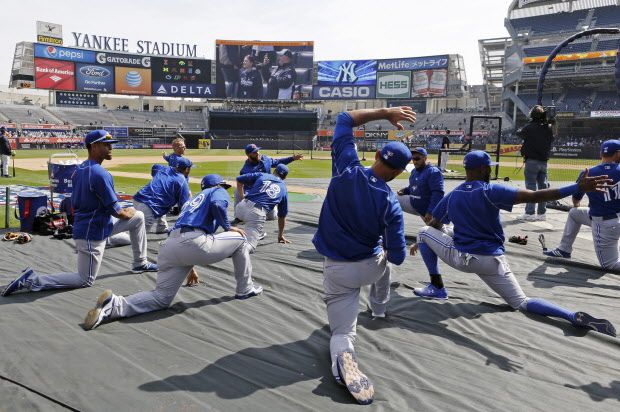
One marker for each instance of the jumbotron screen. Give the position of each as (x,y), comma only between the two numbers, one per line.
(264,70)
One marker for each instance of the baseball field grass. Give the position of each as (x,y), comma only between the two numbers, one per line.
(560,170)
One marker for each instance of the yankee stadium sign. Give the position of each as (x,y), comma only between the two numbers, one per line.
(117,44)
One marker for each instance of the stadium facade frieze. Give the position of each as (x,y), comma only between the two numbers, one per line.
(118,44)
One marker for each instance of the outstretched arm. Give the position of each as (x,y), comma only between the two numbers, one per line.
(585,184)
(394,115)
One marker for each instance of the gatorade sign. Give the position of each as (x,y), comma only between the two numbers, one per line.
(393,85)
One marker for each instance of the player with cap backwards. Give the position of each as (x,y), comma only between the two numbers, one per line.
(260,163)
(94,202)
(425,188)
(178,148)
(169,187)
(360,234)
(478,243)
(191,242)
(266,192)
(601,215)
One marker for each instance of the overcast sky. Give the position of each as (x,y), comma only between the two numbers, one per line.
(340,29)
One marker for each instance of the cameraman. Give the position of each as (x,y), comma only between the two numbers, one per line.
(537,137)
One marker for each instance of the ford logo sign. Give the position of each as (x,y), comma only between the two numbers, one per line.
(95,71)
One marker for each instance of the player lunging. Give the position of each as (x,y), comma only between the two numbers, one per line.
(602,215)
(478,244)
(360,234)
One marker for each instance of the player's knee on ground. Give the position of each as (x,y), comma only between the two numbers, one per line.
(163,300)
(519,304)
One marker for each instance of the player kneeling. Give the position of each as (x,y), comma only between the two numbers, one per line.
(191,242)
(478,243)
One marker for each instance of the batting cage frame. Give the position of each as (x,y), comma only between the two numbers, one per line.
(444,153)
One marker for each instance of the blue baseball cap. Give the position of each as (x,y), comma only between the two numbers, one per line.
(251,148)
(477,158)
(420,150)
(281,170)
(184,163)
(609,147)
(97,136)
(213,180)
(396,155)
(156,169)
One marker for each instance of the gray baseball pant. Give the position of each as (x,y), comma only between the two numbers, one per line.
(577,216)
(605,235)
(152,223)
(90,255)
(270,215)
(177,256)
(405,204)
(5,164)
(342,281)
(254,217)
(493,270)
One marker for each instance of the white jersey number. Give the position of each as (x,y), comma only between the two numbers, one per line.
(612,193)
(272,189)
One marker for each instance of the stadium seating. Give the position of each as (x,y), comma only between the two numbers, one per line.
(575,100)
(609,44)
(606,100)
(607,16)
(17,113)
(86,116)
(550,23)
(546,50)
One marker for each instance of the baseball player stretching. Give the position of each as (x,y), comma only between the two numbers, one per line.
(178,148)
(259,163)
(478,243)
(169,187)
(425,188)
(94,202)
(266,192)
(601,216)
(360,234)
(192,241)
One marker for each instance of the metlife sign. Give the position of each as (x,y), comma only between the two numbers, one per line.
(184,89)
(392,85)
(414,63)
(47,51)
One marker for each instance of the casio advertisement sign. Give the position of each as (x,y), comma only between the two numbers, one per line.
(393,85)
(343,92)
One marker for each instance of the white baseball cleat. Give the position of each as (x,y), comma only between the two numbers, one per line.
(358,384)
(102,310)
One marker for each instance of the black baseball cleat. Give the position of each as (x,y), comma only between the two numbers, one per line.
(584,320)
(358,384)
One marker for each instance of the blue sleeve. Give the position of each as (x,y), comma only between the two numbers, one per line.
(283,206)
(183,193)
(394,239)
(166,157)
(440,212)
(502,197)
(248,178)
(435,181)
(103,187)
(343,145)
(218,210)
(579,195)
(407,190)
(282,161)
